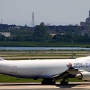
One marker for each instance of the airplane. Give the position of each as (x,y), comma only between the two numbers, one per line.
(49,70)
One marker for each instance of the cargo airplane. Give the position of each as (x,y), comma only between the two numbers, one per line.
(49,70)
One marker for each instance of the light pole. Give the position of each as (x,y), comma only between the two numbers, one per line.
(72,47)
(1,24)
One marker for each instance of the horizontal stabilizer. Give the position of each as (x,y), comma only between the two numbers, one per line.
(1,59)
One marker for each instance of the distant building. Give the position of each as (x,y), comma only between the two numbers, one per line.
(52,35)
(42,23)
(6,34)
(87,22)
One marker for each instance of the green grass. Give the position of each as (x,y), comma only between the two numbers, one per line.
(10,79)
(38,54)
(42,44)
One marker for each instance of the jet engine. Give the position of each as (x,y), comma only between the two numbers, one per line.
(83,75)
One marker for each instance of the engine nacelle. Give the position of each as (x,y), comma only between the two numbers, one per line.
(83,76)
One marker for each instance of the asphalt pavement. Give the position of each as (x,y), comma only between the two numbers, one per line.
(38,86)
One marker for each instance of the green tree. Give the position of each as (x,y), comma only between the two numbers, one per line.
(73,31)
(40,33)
(59,30)
(2,37)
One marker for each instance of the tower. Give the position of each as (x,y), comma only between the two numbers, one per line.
(1,21)
(33,22)
(1,24)
(89,18)
(89,13)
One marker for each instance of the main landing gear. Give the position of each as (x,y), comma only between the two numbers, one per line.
(51,82)
(64,82)
(48,82)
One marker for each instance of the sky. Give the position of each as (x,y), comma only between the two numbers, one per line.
(53,12)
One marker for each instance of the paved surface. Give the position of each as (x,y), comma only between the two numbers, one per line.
(38,86)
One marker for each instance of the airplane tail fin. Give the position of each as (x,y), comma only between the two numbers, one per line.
(1,59)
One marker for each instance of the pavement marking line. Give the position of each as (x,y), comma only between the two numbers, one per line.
(42,87)
(29,87)
(20,86)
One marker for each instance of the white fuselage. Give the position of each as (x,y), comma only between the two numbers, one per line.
(41,68)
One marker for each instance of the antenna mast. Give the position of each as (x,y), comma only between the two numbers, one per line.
(33,22)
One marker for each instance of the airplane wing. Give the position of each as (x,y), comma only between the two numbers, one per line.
(70,71)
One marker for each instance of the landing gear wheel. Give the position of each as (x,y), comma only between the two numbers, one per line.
(48,82)
(63,82)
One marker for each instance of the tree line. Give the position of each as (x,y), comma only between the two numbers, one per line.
(40,34)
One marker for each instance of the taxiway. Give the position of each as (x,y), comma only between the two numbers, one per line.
(38,86)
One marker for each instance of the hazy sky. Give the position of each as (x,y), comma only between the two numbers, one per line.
(55,12)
